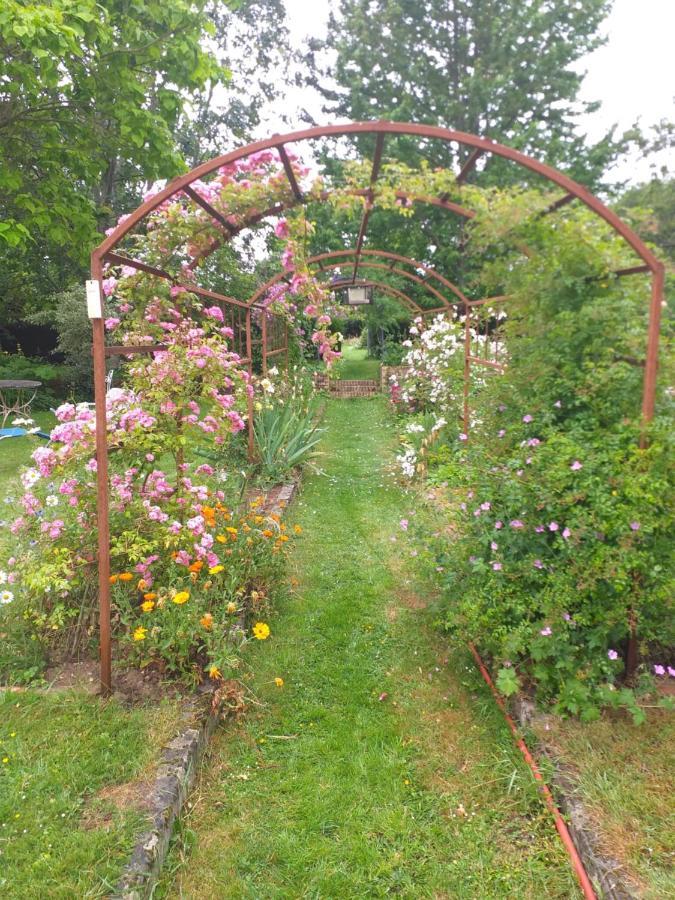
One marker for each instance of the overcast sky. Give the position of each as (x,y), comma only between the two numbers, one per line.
(633,74)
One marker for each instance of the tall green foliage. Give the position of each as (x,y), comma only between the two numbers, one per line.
(497,68)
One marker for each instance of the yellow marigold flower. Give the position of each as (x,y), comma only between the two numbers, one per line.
(140,633)
(206,621)
(150,596)
(279,682)
(246,528)
(231,530)
(261,631)
(297,529)
(148,605)
(231,607)
(283,538)
(113,579)
(181,597)
(125,576)
(221,538)
(214,672)
(259,520)
(215,569)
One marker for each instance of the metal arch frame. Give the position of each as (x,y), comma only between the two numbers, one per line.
(321,258)
(381,129)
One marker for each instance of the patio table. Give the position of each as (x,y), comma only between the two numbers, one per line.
(16,396)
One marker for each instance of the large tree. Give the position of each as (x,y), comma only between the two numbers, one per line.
(497,68)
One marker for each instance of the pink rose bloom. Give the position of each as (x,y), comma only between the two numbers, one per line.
(281,228)
(215,312)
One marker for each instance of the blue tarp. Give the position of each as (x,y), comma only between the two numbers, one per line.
(20,432)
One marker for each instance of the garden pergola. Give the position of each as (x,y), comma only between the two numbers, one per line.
(359,258)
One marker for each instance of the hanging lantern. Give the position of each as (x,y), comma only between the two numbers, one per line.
(359,295)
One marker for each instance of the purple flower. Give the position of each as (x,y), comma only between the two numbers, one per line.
(501,433)
(612,654)
(553,526)
(485,505)
(566,533)
(497,566)
(539,529)
(463,437)
(659,670)
(567,617)
(473,559)
(538,564)
(499,525)
(501,407)
(494,545)
(533,442)
(576,465)
(545,632)
(527,419)
(634,526)
(404,524)
(516,523)
(671,671)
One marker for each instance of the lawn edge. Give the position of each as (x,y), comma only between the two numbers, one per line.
(179,765)
(605,872)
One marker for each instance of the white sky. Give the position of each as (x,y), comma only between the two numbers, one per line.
(633,74)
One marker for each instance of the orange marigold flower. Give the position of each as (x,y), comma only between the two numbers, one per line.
(268,532)
(206,621)
(214,672)
(196,566)
(150,596)
(113,579)
(125,576)
(283,538)
(297,529)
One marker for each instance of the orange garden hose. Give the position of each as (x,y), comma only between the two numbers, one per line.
(563,831)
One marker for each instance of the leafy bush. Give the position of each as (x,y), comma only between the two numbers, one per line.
(285,438)
(560,523)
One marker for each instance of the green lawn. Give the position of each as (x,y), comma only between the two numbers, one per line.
(65,831)
(381,767)
(356,364)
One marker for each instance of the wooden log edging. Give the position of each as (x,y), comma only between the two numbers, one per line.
(179,764)
(605,872)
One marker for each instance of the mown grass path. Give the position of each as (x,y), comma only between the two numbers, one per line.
(381,767)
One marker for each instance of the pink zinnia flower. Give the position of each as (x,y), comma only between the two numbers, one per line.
(612,654)
(659,670)
(553,526)
(527,419)
(499,525)
(516,523)
(576,465)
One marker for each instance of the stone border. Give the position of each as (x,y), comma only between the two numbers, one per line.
(179,764)
(605,873)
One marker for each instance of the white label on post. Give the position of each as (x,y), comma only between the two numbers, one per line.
(94,308)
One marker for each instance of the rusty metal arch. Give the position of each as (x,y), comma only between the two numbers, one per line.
(322,258)
(480,146)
